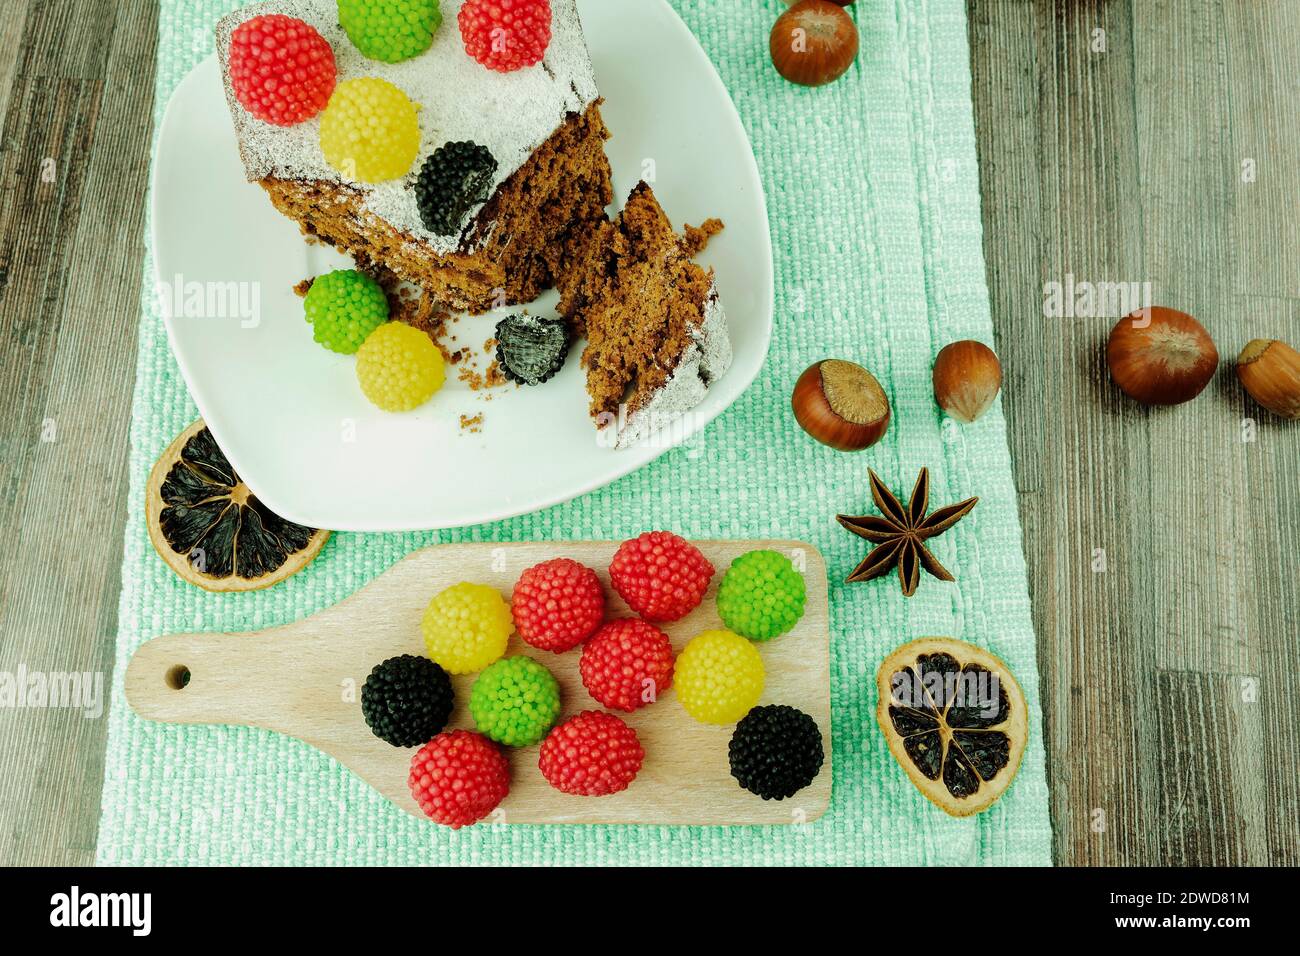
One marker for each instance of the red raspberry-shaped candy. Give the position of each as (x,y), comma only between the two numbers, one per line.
(506,35)
(557,604)
(458,778)
(661,577)
(627,665)
(591,755)
(281,69)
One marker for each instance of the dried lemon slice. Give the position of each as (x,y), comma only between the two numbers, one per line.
(955,720)
(211,530)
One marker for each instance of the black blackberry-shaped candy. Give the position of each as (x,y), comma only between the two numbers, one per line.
(776,751)
(531,350)
(453,180)
(407,700)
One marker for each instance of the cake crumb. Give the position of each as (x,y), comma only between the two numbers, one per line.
(481,381)
(472,377)
(419,310)
(697,237)
(472,424)
(410,305)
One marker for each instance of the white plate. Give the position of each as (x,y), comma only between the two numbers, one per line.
(290,415)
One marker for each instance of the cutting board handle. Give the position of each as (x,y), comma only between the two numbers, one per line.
(245,679)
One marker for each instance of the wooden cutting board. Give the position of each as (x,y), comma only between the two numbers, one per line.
(304,680)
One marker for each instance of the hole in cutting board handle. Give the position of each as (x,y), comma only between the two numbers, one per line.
(177,677)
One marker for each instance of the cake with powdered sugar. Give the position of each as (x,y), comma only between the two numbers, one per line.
(525,148)
(541,125)
(656,332)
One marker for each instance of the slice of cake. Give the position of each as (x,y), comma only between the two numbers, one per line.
(656,332)
(543,184)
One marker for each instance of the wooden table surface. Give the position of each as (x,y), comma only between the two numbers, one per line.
(1149,141)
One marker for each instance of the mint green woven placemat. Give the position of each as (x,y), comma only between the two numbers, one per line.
(873,197)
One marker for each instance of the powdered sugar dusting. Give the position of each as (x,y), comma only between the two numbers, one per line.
(705,360)
(512,114)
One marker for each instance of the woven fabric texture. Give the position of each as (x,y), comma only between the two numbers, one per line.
(873,197)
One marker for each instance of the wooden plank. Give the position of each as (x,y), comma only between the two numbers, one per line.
(77,126)
(1260,42)
(1212,812)
(1057,158)
(73,39)
(1108,137)
(1262,48)
(12,28)
(289,679)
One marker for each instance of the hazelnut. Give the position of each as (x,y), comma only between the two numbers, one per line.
(967,377)
(1161,356)
(813,42)
(1270,371)
(841,405)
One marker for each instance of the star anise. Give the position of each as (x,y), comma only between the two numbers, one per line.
(901,534)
